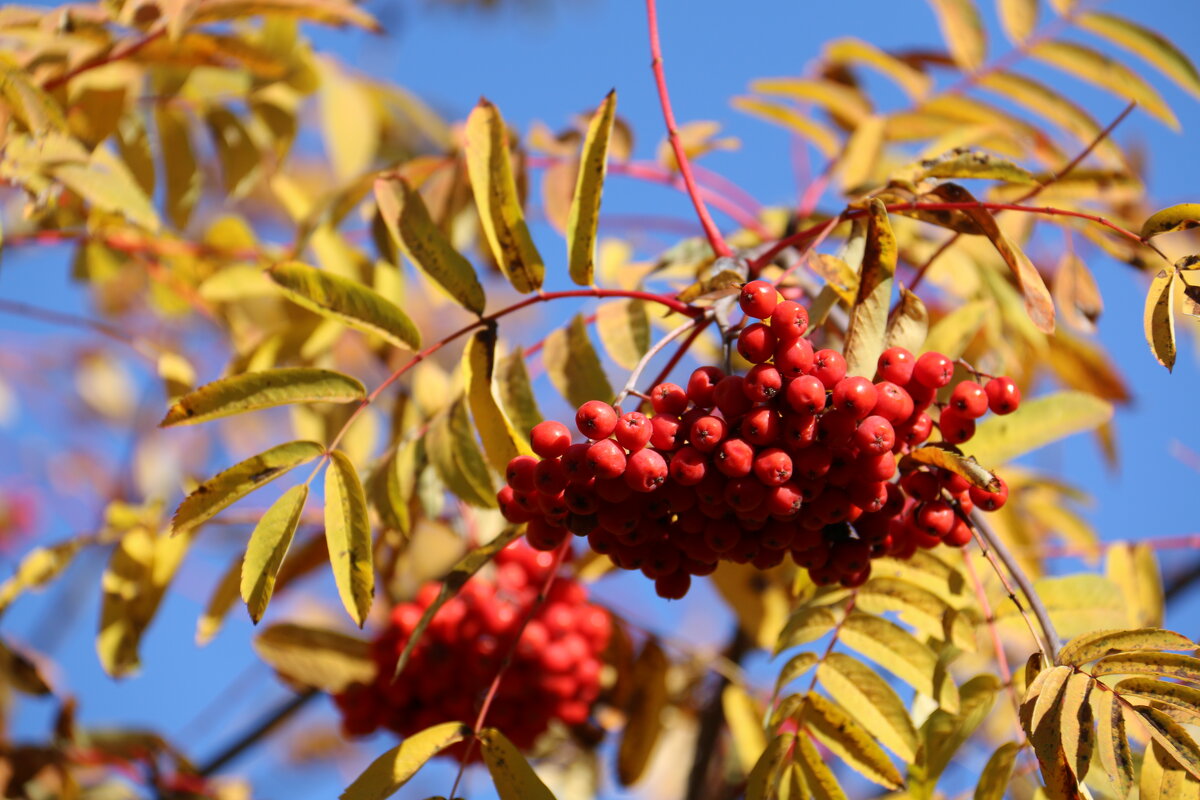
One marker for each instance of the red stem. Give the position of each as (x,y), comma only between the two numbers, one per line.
(116,54)
(656,65)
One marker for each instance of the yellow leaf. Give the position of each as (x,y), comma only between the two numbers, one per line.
(1107,73)
(234,483)
(1173,694)
(349,121)
(423,242)
(501,442)
(965,466)
(1076,724)
(821,137)
(516,391)
(977,164)
(908,323)
(744,718)
(862,155)
(919,608)
(514,778)
(915,83)
(240,160)
(326,12)
(223,597)
(1150,781)
(21,672)
(1150,45)
(1172,737)
(182,174)
(1079,299)
(1173,218)
(1044,102)
(963,31)
(1018,18)
(267,547)
(839,276)
(454,453)
(316,658)
(1167,665)
(1098,644)
(850,741)
(251,391)
(1037,423)
(496,197)
(397,766)
(897,651)
(867,329)
(844,103)
(805,625)
(107,184)
(624,330)
(585,208)
(818,777)
(645,708)
(1159,318)
(348,534)
(761,780)
(993,781)
(952,334)
(573,366)
(39,566)
(871,701)
(943,734)
(1134,567)
(29,103)
(796,666)
(1112,743)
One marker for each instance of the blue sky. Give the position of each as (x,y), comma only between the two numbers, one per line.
(548,62)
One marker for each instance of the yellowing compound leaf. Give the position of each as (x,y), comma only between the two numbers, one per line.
(1173,218)
(1158,319)
(397,766)
(804,626)
(1112,744)
(978,165)
(802,125)
(348,535)
(1172,737)
(573,366)
(1018,18)
(180,170)
(871,701)
(423,242)
(867,330)
(39,566)
(915,83)
(138,573)
(1037,423)
(347,301)
(516,391)
(1166,665)
(624,329)
(1150,45)
(267,547)
(251,391)
(1098,644)
(514,778)
(501,442)
(993,781)
(818,777)
(957,463)
(1076,724)
(744,717)
(455,455)
(234,483)
(645,713)
(1134,567)
(962,29)
(1078,296)
(908,324)
(326,12)
(496,197)
(850,741)
(585,207)
(316,658)
(900,653)
(1107,73)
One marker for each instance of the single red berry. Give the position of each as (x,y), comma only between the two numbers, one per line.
(969,400)
(955,428)
(731,397)
(574,461)
(933,370)
(743,494)
(965,502)
(633,431)
(646,471)
(806,394)
(607,459)
(662,558)
(707,432)
(935,518)
(1003,396)
(668,398)
(896,365)
(829,367)
(892,403)
(812,462)
(688,466)
(762,383)
(799,430)
(922,486)
(666,433)
(789,320)
(541,535)
(784,501)
(794,357)
(734,457)
(758,299)
(870,496)
(875,435)
(990,501)
(761,426)
(520,473)
(550,476)
(850,556)
(673,586)
(872,467)
(550,439)
(702,384)
(915,431)
(959,535)
(580,500)
(836,427)
(954,483)
(855,395)
(773,466)
(596,420)
(756,343)
(512,511)
(721,535)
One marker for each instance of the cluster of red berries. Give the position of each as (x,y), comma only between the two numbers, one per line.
(792,457)
(555,668)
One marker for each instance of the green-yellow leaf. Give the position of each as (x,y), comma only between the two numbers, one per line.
(1142,41)
(649,697)
(915,83)
(231,485)
(347,301)
(39,566)
(222,599)
(796,666)
(251,391)
(947,459)
(821,136)
(514,778)
(908,324)
(316,658)
(963,31)
(867,330)
(871,701)
(1098,644)
(951,334)
(268,545)
(1107,73)
(573,366)
(1173,218)
(326,12)
(182,174)
(1112,744)
(624,330)
(1158,319)
(900,653)
(993,781)
(804,626)
(348,534)
(978,165)
(585,207)
(423,242)
(393,769)
(516,391)
(744,717)
(496,196)
(455,455)
(501,442)
(818,777)
(1037,423)
(1018,18)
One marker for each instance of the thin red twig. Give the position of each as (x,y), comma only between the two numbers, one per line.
(116,54)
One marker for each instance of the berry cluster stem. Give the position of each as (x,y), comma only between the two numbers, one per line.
(636,373)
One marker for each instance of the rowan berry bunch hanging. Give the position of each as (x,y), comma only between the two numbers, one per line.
(555,668)
(794,457)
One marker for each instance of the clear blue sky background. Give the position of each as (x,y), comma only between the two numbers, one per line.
(547,62)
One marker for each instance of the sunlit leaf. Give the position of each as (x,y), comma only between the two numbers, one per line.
(1166,665)
(624,330)
(1091,646)
(573,366)
(1078,296)
(501,442)
(805,625)
(965,466)
(316,658)
(862,154)
(240,160)
(993,781)
(107,184)
(869,699)
(796,666)
(867,330)
(511,773)
(327,12)
(348,533)
(900,653)
(978,165)
(455,455)
(387,773)
(850,741)
(645,710)
(251,391)
(802,125)
(962,28)
(516,391)
(1044,102)
(1158,320)
(181,172)
(267,547)
(841,101)
(1078,735)
(1173,218)
(1018,18)
(818,777)
(762,778)
(39,566)
(1134,568)
(585,207)
(1111,743)
(1035,424)
(29,103)
(855,51)
(1172,737)
(1107,73)
(1150,45)
(744,718)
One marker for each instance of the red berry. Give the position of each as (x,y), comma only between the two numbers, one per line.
(892,403)
(955,428)
(784,501)
(520,473)
(915,431)
(794,357)
(734,457)
(812,462)
(607,458)
(550,439)
(873,467)
(574,461)
(990,501)
(829,367)
(668,398)
(758,299)
(969,400)
(1003,396)
(855,396)
(773,466)
(596,420)
(688,466)
(665,432)
(550,476)
(633,431)
(935,518)
(743,494)
(875,435)
(762,383)
(731,397)
(836,428)
(702,385)
(870,496)
(673,586)
(756,343)
(799,430)
(806,394)
(789,320)
(850,556)
(761,426)
(896,365)
(922,486)
(959,535)
(933,370)
(646,471)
